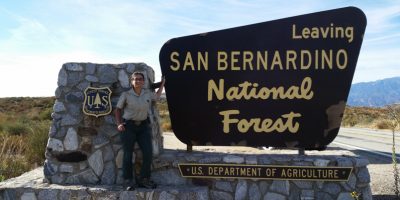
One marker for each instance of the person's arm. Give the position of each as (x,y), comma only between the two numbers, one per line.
(118,118)
(159,91)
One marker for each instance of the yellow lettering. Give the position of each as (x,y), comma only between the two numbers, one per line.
(175,60)
(188,62)
(222,61)
(202,61)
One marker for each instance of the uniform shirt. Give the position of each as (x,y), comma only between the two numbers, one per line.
(136,107)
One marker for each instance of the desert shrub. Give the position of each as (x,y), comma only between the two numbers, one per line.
(37,141)
(166,126)
(383,124)
(45,114)
(12,161)
(18,128)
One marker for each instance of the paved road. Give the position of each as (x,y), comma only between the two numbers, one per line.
(368,140)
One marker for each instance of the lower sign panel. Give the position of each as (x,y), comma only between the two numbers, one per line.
(265,172)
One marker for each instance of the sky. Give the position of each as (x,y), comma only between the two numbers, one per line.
(38,36)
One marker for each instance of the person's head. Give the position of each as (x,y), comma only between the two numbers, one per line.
(137,80)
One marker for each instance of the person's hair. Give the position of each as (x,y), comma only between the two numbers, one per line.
(136,73)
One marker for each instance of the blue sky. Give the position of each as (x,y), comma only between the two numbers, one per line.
(37,37)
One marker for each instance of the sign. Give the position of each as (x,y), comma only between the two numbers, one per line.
(282,83)
(265,172)
(97,101)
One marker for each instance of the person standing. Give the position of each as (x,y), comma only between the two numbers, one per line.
(134,125)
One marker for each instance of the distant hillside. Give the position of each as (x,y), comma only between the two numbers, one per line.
(375,94)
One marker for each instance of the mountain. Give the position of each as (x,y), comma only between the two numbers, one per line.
(375,94)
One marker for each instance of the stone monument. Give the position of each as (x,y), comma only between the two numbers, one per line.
(84,148)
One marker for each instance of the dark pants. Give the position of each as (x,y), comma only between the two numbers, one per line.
(141,134)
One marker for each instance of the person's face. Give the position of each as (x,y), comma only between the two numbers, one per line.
(137,81)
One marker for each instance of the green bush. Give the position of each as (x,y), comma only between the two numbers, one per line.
(46,114)
(37,141)
(16,128)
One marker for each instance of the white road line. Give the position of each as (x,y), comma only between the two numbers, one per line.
(365,149)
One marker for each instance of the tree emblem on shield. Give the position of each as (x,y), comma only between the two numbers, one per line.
(97,101)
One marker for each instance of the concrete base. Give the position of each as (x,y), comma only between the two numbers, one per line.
(30,186)
(173,186)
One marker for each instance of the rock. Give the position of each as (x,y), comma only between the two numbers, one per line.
(85,177)
(280,187)
(83,85)
(47,194)
(321,162)
(106,74)
(71,140)
(74,67)
(345,196)
(303,184)
(49,169)
(90,68)
(361,162)
(68,120)
(131,68)
(224,186)
(363,175)
(100,140)
(166,196)
(62,78)
(28,196)
(110,120)
(307,194)
(52,130)
(274,196)
(91,78)
(55,145)
(350,185)
(264,160)
(74,78)
(251,160)
(58,92)
(233,159)
(211,159)
(331,188)
(65,194)
(218,195)
(66,168)
(119,158)
(58,106)
(96,162)
(123,79)
(366,193)
(108,153)
(108,176)
(127,195)
(75,97)
(57,179)
(344,162)
(254,192)
(109,130)
(168,177)
(263,186)
(241,190)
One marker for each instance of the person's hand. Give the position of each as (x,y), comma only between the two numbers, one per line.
(162,80)
(121,127)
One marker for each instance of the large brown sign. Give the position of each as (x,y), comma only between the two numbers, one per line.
(282,83)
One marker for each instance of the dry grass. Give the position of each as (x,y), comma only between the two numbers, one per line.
(24,127)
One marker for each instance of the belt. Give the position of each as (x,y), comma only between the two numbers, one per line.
(137,123)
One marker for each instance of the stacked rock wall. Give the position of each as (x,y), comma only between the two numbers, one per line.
(87,149)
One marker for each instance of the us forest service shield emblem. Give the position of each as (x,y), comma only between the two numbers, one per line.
(97,101)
